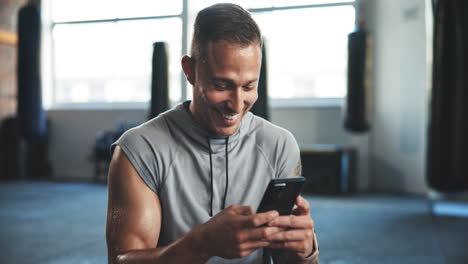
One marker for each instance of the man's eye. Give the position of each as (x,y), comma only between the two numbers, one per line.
(220,87)
(249,88)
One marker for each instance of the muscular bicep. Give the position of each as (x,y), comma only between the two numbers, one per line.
(134,210)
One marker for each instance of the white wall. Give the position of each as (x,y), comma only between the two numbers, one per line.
(398,138)
(72,137)
(322,125)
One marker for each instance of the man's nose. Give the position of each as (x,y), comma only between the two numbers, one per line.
(237,101)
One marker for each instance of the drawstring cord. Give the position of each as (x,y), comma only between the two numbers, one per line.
(227,177)
(211,176)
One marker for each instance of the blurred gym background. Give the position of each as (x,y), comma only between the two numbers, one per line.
(375,92)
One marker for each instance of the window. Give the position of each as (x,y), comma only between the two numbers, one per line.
(307,51)
(89,10)
(103,54)
(111,61)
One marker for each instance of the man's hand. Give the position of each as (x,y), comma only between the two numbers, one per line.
(298,231)
(237,232)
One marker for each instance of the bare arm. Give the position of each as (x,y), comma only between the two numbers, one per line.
(134,221)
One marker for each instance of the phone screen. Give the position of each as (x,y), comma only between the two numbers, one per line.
(281,195)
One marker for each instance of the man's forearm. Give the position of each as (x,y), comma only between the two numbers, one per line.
(184,250)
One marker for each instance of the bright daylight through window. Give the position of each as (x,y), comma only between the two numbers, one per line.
(103,54)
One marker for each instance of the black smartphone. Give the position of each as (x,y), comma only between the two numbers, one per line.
(281,195)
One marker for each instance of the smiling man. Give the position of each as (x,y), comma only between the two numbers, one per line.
(184,187)
(225,85)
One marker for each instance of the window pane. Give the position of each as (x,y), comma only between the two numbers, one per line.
(76,10)
(111,62)
(307,51)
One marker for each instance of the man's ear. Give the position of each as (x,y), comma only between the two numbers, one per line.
(189,69)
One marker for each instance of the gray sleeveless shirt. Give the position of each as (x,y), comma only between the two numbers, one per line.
(171,153)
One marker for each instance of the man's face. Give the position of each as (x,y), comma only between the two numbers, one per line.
(225,86)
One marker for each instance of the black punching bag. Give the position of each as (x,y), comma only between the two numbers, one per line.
(260,108)
(447,160)
(33,152)
(355,112)
(159,80)
(31,115)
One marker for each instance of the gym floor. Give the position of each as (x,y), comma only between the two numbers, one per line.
(47,222)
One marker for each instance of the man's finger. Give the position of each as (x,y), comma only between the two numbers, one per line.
(302,207)
(257,234)
(260,219)
(296,246)
(291,235)
(242,210)
(293,221)
(252,245)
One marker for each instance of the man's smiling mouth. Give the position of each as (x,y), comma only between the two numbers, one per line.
(229,116)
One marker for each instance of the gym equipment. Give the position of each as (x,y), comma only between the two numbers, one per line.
(447,156)
(159,80)
(32,120)
(356,100)
(260,108)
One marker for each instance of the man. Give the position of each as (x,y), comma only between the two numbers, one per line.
(183,186)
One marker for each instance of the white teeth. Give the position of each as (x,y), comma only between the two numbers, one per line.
(230,117)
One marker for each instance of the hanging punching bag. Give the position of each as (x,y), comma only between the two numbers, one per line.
(260,108)
(355,119)
(447,160)
(159,80)
(32,122)
(31,115)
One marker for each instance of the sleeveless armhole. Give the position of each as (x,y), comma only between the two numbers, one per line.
(141,156)
(288,157)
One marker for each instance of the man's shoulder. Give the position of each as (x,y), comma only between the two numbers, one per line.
(277,144)
(266,131)
(154,132)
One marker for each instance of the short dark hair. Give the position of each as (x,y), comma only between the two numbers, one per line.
(228,22)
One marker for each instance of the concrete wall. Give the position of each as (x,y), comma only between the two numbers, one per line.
(398,137)
(72,135)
